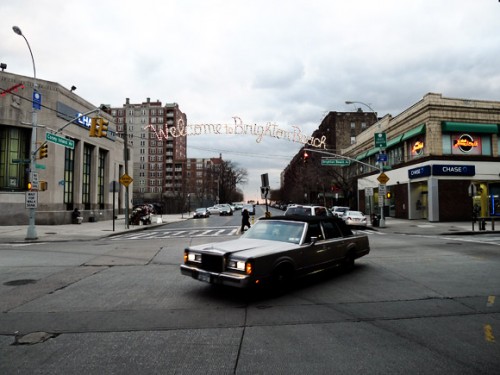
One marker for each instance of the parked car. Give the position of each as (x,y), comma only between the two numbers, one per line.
(213,210)
(339,211)
(201,212)
(224,209)
(275,251)
(250,208)
(307,210)
(354,218)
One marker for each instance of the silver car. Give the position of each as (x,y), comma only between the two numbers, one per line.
(354,218)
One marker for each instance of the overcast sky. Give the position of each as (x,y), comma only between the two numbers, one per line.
(288,62)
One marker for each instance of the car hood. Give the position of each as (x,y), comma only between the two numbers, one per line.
(244,247)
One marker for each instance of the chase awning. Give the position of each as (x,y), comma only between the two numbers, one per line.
(412,133)
(461,127)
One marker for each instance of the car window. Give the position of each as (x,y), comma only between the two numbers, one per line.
(314,230)
(331,230)
(344,229)
(320,211)
(298,211)
(284,231)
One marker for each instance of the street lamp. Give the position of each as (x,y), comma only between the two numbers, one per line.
(31,234)
(382,219)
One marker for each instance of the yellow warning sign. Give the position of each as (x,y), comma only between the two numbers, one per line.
(383,178)
(126,180)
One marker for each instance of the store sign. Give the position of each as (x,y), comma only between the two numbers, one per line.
(420,172)
(466,144)
(453,170)
(417,148)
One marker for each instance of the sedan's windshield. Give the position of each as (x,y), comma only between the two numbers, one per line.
(284,231)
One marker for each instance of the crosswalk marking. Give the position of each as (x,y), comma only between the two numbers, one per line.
(171,233)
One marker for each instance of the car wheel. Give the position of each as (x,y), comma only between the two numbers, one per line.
(348,263)
(282,278)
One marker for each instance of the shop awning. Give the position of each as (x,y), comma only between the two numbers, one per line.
(361,156)
(371,152)
(394,141)
(412,133)
(460,127)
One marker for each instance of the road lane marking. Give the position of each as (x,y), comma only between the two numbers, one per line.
(488,333)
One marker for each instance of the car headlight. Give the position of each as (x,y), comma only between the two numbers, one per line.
(191,257)
(241,266)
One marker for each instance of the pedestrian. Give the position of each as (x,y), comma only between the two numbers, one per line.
(77,216)
(245,219)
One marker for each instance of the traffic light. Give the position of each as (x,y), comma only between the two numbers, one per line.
(388,195)
(93,127)
(306,156)
(30,186)
(44,151)
(102,130)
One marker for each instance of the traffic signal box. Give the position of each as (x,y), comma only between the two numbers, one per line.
(44,151)
(93,127)
(98,127)
(102,130)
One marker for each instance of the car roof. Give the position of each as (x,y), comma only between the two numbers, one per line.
(304,218)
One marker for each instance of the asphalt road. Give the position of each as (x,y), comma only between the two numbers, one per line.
(414,305)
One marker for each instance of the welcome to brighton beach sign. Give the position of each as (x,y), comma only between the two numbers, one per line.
(239,128)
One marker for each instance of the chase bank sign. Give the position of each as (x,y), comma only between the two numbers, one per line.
(442,170)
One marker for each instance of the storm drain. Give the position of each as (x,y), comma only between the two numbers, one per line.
(33,338)
(20,282)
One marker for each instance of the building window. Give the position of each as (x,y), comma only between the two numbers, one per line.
(69,177)
(14,144)
(86,175)
(101,178)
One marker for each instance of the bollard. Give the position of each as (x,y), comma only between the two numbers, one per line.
(482,224)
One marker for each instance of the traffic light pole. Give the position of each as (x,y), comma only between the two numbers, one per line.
(381,170)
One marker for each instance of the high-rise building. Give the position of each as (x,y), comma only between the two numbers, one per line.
(159,151)
(203,181)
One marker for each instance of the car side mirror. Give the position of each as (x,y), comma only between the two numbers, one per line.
(314,240)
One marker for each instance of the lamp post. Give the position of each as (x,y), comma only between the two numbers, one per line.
(31,233)
(382,219)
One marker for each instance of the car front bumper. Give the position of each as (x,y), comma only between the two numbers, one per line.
(229,279)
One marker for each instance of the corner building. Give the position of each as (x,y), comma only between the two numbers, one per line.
(441,157)
(76,176)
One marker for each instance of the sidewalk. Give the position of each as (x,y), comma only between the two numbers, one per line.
(81,232)
(90,231)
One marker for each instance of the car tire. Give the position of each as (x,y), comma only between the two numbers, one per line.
(282,277)
(348,263)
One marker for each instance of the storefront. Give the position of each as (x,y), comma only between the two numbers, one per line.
(438,169)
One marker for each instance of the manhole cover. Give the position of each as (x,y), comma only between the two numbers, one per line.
(20,282)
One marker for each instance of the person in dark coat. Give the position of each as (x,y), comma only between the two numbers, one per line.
(245,219)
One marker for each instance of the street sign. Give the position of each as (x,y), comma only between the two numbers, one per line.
(37,100)
(126,180)
(380,140)
(381,157)
(68,143)
(21,161)
(32,199)
(335,162)
(383,178)
(369,191)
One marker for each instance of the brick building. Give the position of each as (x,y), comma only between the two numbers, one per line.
(158,165)
(306,181)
